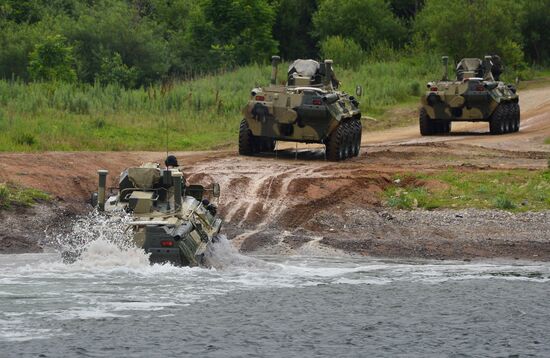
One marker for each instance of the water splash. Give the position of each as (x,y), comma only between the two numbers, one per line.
(221,254)
(99,240)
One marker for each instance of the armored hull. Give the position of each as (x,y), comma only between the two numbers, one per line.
(475,96)
(170,221)
(308,109)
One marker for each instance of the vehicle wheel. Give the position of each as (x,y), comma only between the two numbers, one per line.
(506,125)
(516,115)
(268,145)
(445,127)
(335,143)
(359,137)
(496,123)
(350,139)
(425,122)
(356,141)
(247,142)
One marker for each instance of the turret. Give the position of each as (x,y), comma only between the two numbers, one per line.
(275,60)
(101,189)
(445,61)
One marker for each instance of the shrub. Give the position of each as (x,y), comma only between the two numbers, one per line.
(25,139)
(114,71)
(344,51)
(502,202)
(52,60)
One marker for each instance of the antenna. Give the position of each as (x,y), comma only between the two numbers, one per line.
(166,133)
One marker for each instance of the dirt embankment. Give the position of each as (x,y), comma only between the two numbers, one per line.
(282,204)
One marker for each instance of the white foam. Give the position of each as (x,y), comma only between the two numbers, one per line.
(105,254)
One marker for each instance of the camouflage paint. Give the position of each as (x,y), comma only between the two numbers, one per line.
(469,99)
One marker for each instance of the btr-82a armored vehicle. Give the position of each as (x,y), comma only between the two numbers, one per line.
(309,109)
(170,220)
(476,95)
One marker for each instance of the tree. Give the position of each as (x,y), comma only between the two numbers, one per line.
(108,28)
(345,52)
(242,29)
(472,28)
(367,22)
(535,29)
(52,60)
(293,29)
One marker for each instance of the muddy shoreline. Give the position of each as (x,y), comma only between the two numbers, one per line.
(378,232)
(292,202)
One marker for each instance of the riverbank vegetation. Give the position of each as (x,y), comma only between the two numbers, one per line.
(12,195)
(124,74)
(513,190)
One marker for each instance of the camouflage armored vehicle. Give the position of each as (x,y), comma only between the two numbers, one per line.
(476,95)
(309,109)
(170,220)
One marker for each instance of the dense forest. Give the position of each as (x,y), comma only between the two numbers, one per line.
(135,43)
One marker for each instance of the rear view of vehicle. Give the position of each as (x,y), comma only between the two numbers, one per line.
(476,95)
(309,109)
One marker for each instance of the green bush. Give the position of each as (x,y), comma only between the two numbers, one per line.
(367,22)
(472,29)
(344,51)
(502,202)
(12,195)
(25,139)
(114,71)
(52,60)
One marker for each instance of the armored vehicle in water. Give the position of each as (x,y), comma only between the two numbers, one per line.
(477,95)
(308,109)
(171,221)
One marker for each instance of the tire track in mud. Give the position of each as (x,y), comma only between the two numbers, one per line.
(256,191)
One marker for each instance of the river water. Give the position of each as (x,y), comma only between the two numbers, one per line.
(112,303)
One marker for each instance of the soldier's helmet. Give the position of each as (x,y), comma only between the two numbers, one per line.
(171,161)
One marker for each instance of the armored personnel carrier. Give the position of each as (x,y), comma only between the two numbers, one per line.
(171,221)
(476,95)
(309,109)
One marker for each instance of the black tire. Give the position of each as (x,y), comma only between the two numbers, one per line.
(247,142)
(350,139)
(335,144)
(425,122)
(445,127)
(516,115)
(359,137)
(356,137)
(268,145)
(512,117)
(499,116)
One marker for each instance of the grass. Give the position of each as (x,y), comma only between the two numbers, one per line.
(512,190)
(13,196)
(547,140)
(199,114)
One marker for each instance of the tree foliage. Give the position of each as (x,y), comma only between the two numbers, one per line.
(472,28)
(345,52)
(52,60)
(367,22)
(536,29)
(139,42)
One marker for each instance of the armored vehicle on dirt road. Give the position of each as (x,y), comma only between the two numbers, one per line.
(171,221)
(308,109)
(476,95)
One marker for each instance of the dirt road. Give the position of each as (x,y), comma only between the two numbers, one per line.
(287,194)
